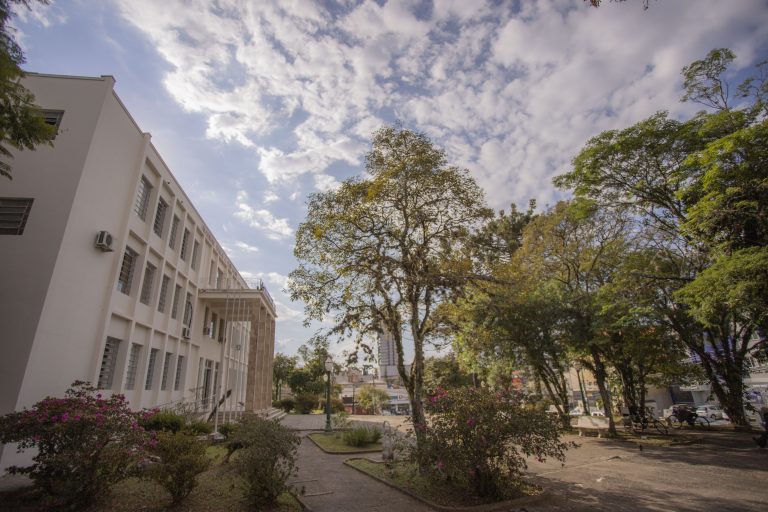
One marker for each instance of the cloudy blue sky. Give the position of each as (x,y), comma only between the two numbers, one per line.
(255,104)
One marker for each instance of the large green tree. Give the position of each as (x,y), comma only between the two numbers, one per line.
(700,189)
(381,252)
(21,123)
(282,369)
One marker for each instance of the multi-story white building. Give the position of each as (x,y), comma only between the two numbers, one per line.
(110,275)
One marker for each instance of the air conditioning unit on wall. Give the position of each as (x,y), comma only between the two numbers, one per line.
(185,333)
(103,241)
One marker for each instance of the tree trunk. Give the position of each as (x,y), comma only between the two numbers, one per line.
(600,378)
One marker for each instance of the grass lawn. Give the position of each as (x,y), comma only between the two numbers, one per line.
(405,476)
(331,442)
(218,489)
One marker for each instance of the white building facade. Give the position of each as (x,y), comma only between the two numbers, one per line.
(110,275)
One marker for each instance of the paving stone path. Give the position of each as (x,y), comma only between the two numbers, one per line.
(329,485)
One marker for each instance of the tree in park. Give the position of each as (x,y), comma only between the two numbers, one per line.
(371,399)
(445,372)
(699,187)
(577,248)
(381,252)
(21,123)
(282,369)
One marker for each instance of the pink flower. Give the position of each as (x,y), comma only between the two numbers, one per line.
(471,422)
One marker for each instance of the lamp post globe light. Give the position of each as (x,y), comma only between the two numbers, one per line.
(328,370)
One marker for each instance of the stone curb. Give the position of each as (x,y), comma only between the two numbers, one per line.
(355,452)
(488,507)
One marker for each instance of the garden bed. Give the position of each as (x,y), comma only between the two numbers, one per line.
(331,442)
(218,490)
(404,477)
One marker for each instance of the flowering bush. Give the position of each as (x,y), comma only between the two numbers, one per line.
(85,443)
(478,439)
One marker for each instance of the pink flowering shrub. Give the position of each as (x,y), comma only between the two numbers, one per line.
(478,439)
(84,444)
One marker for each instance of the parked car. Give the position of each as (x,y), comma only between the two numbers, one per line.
(712,412)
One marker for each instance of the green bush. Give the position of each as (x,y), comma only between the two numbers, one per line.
(181,459)
(361,436)
(267,459)
(198,428)
(306,403)
(165,421)
(286,404)
(84,444)
(478,439)
(227,429)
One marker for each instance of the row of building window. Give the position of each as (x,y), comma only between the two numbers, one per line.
(125,280)
(142,205)
(109,363)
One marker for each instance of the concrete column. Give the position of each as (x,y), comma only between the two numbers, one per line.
(261,351)
(251,381)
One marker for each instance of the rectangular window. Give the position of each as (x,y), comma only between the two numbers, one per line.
(163,294)
(174,232)
(142,198)
(53,117)
(188,311)
(146,288)
(126,271)
(184,245)
(133,365)
(108,361)
(179,370)
(14,212)
(195,255)
(166,367)
(151,368)
(162,207)
(176,299)
(212,274)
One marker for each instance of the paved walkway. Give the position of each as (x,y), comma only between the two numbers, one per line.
(331,486)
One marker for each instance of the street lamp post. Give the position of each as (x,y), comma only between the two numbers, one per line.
(328,370)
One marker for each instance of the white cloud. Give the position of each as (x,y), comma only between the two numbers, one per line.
(275,228)
(270,197)
(287,314)
(244,247)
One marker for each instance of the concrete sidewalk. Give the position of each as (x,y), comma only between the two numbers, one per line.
(331,486)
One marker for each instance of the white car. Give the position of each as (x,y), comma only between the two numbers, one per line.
(712,412)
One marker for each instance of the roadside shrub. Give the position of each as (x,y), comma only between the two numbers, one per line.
(165,421)
(306,403)
(267,459)
(341,421)
(287,404)
(361,436)
(85,443)
(181,459)
(198,428)
(478,439)
(227,429)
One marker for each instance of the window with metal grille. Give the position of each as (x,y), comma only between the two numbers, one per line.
(146,288)
(174,232)
(162,207)
(133,365)
(163,294)
(179,370)
(188,311)
(53,118)
(14,212)
(151,368)
(108,361)
(176,299)
(184,245)
(166,366)
(142,198)
(195,255)
(126,271)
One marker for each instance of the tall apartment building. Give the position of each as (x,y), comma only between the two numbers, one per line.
(110,275)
